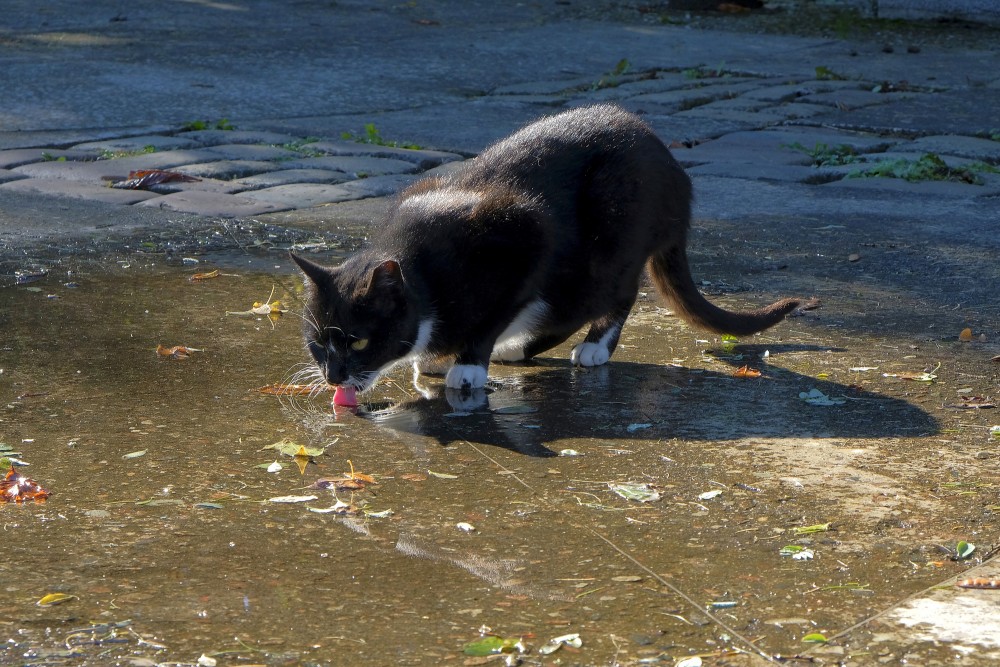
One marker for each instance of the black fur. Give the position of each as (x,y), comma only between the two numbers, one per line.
(568,210)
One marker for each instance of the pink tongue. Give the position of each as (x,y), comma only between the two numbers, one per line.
(345,397)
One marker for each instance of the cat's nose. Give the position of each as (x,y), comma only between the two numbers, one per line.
(336,372)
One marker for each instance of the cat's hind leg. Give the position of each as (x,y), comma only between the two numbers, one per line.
(602,339)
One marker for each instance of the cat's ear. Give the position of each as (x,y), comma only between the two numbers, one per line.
(315,272)
(387,278)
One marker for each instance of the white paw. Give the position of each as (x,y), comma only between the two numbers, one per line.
(590,354)
(465,375)
(510,353)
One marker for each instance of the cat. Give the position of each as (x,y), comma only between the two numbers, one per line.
(544,232)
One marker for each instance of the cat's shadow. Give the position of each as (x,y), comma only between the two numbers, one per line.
(530,409)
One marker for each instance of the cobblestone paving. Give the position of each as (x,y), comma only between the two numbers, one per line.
(718,122)
(237,173)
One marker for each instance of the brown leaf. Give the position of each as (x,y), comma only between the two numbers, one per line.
(966,335)
(746,372)
(205,276)
(146,178)
(15,488)
(176,352)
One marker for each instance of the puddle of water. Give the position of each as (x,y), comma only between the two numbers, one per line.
(489,524)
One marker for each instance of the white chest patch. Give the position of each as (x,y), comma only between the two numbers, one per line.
(510,344)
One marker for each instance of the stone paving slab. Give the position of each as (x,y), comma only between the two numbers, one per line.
(354,164)
(78,190)
(8,175)
(291,176)
(158,142)
(226,169)
(212,204)
(21,156)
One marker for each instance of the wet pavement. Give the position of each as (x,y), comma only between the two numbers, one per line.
(660,507)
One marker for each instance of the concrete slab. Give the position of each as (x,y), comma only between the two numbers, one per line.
(212,205)
(21,156)
(77,190)
(271,179)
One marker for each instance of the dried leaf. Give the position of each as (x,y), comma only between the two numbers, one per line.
(135,455)
(290,448)
(639,492)
(176,352)
(205,276)
(980,583)
(16,488)
(966,335)
(746,372)
(55,598)
(556,643)
(442,475)
(816,397)
(143,179)
(291,499)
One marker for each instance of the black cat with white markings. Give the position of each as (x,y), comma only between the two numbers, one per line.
(544,232)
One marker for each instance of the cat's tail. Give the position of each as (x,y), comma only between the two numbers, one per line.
(670,272)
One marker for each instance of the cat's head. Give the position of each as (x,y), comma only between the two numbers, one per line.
(358,321)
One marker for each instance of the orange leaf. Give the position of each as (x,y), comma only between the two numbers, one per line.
(966,335)
(205,276)
(746,372)
(176,352)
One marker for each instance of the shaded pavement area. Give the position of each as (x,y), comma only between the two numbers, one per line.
(662,507)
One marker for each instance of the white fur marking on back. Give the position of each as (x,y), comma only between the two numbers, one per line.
(510,344)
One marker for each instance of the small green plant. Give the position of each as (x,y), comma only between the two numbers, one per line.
(928,167)
(196,125)
(301,146)
(610,80)
(719,72)
(826,156)
(827,74)
(49,157)
(108,154)
(373,136)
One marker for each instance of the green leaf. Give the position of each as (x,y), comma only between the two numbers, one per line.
(963,550)
(809,530)
(492,645)
(815,638)
(288,447)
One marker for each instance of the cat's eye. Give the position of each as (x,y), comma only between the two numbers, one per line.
(359,344)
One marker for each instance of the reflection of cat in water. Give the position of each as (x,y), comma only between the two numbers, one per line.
(544,232)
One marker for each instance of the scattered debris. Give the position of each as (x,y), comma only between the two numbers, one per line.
(177,351)
(143,179)
(15,488)
(816,397)
(639,492)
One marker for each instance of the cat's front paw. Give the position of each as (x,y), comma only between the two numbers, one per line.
(589,354)
(467,376)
